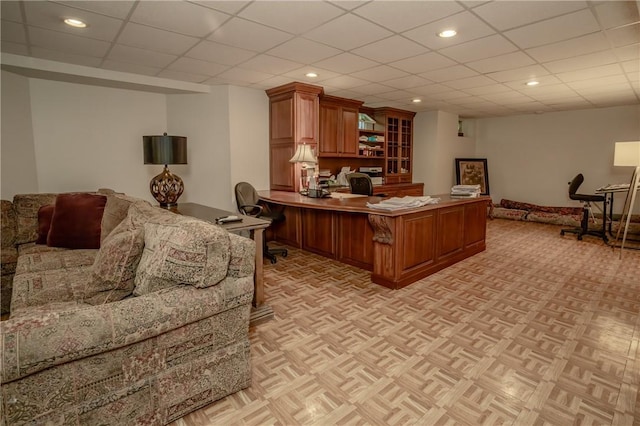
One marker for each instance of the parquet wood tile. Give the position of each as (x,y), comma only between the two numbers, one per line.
(537,330)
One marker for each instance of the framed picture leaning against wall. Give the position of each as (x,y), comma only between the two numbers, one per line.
(473,171)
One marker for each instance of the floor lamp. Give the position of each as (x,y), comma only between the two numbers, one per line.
(628,154)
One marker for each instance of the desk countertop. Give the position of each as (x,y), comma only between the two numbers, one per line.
(356,204)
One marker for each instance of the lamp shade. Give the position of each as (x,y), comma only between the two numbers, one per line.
(627,154)
(304,154)
(165,149)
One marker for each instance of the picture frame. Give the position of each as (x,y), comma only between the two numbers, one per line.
(473,171)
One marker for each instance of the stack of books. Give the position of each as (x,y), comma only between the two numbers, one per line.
(465,191)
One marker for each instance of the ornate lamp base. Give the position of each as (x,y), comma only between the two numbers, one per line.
(166,188)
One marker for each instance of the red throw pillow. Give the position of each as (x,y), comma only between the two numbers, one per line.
(45,214)
(76,221)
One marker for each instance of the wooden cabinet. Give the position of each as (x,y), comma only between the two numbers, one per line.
(293,120)
(338,127)
(399,144)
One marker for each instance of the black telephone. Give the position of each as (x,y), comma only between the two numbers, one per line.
(318,193)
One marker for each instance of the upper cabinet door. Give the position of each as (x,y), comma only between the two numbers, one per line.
(350,132)
(329,122)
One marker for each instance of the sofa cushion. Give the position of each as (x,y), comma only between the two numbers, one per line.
(56,259)
(76,221)
(114,212)
(114,269)
(26,207)
(45,214)
(188,252)
(509,204)
(9,224)
(40,288)
(505,213)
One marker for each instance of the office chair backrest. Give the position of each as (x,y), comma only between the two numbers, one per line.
(360,183)
(245,194)
(574,185)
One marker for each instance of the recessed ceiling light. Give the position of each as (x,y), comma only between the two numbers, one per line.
(532,83)
(311,74)
(447,33)
(416,100)
(75,23)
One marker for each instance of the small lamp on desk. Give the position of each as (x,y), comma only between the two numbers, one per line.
(304,154)
(628,154)
(166,187)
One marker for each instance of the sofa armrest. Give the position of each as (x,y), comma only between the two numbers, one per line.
(31,343)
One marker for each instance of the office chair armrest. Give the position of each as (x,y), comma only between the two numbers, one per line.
(251,210)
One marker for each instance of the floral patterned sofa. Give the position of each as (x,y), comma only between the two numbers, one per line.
(150,326)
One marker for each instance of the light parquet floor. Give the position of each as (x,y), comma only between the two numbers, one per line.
(537,330)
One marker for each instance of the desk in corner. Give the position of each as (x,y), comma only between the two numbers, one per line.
(399,247)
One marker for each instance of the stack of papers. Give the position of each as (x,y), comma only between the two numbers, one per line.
(465,191)
(407,202)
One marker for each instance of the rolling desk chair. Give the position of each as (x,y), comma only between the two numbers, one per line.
(586,199)
(247,201)
(360,183)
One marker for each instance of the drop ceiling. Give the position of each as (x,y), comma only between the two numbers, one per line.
(585,54)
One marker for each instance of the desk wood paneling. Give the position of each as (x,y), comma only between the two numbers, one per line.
(398,247)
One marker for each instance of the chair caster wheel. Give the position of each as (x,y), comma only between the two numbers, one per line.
(285,253)
(273,261)
(562,233)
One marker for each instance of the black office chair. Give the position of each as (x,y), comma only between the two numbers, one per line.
(586,199)
(247,200)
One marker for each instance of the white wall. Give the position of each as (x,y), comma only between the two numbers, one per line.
(18,159)
(249,123)
(436,146)
(204,120)
(90,137)
(532,157)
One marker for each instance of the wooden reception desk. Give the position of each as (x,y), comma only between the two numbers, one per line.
(399,247)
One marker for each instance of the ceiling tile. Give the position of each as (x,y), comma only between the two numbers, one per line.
(51,15)
(430,89)
(501,62)
(242,75)
(554,30)
(373,89)
(134,55)
(70,58)
(492,88)
(304,51)
(14,48)
(295,17)
(395,95)
(581,62)
(468,26)
(451,73)
(407,82)
(219,53)
(380,73)
(631,66)
(182,17)
(272,82)
(270,64)
(544,80)
(390,49)
(230,7)
(196,66)
(588,73)
(628,53)
(345,82)
(67,42)
(617,13)
(479,49)
(523,74)
(577,46)
(466,83)
(300,74)
(346,63)
(144,37)
(239,32)
(510,14)
(347,32)
(117,9)
(450,95)
(600,84)
(10,10)
(13,32)
(129,67)
(423,63)
(629,34)
(406,14)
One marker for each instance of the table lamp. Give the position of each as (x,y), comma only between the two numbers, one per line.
(628,154)
(166,187)
(304,154)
